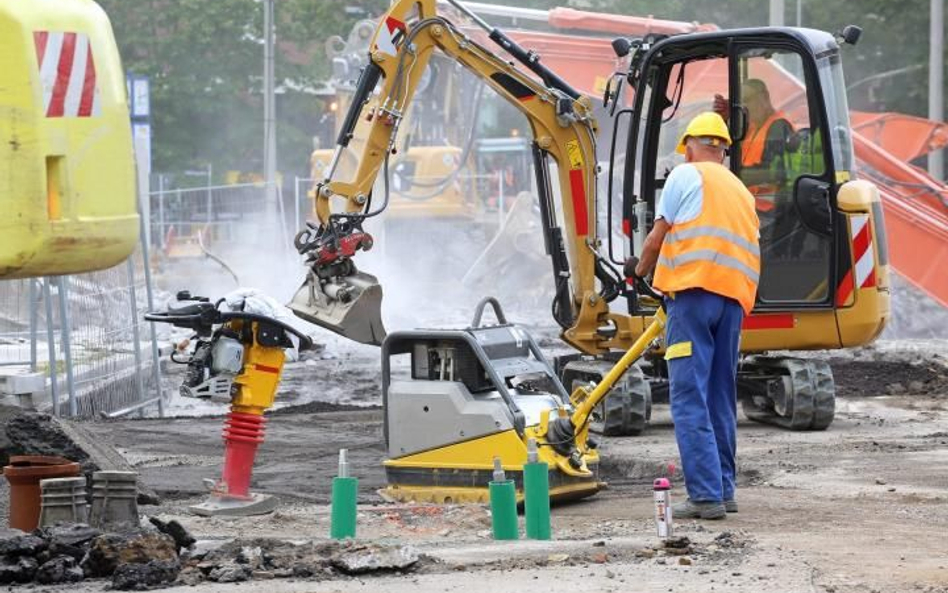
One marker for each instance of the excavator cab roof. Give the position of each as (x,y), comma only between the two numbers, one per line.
(662,49)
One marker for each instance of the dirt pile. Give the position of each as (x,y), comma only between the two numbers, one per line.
(914,314)
(870,378)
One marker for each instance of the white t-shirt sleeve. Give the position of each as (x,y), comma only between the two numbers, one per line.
(682,195)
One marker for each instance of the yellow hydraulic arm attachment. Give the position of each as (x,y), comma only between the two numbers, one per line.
(336,295)
(568,433)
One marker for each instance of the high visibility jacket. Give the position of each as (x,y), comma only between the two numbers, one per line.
(718,251)
(752,150)
(752,155)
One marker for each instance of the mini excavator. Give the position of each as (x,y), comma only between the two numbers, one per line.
(824,285)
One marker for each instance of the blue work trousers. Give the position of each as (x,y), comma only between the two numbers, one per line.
(703,389)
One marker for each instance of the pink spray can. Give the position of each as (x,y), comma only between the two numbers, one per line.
(661,490)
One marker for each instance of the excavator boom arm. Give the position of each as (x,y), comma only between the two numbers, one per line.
(563,129)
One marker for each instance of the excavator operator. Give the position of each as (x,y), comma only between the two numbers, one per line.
(704,250)
(764,142)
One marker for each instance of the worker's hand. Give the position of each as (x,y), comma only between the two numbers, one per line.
(629,268)
(720,106)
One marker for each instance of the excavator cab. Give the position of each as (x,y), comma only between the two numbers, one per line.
(824,262)
(787,113)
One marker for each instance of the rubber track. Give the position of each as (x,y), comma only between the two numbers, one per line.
(811,403)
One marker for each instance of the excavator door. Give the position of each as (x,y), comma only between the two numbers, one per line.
(67,174)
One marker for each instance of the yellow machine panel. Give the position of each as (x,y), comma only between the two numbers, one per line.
(67,176)
(424,164)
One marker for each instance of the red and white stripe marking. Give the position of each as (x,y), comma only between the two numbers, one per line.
(385,42)
(863,272)
(67,73)
(862,251)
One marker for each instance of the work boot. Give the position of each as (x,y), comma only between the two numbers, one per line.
(699,510)
(730,506)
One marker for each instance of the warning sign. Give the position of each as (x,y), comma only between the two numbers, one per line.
(575,154)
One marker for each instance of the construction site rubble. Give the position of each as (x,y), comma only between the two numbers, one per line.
(68,553)
(264,558)
(32,433)
(181,536)
(142,558)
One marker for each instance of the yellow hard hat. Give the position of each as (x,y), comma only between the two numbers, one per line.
(705,125)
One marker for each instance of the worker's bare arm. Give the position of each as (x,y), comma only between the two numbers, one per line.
(651,247)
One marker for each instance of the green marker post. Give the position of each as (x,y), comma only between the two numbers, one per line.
(503,505)
(344,498)
(536,494)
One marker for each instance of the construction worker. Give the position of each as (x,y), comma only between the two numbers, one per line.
(704,250)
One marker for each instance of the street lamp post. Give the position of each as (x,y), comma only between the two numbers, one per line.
(269,113)
(936,81)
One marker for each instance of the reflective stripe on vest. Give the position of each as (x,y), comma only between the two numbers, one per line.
(712,231)
(718,251)
(710,255)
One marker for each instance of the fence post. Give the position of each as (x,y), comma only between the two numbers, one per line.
(282,215)
(500,200)
(51,346)
(34,314)
(296,204)
(161,211)
(63,282)
(136,335)
(150,297)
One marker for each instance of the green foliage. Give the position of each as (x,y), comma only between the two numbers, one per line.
(205,61)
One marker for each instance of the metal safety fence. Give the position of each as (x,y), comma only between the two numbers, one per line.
(82,341)
(193,220)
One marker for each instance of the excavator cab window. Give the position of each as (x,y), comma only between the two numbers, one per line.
(769,89)
(691,89)
(783,165)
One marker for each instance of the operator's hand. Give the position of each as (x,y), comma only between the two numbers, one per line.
(720,106)
(629,268)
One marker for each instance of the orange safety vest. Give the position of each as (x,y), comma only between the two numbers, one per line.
(752,150)
(718,251)
(752,155)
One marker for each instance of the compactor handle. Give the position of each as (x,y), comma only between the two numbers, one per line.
(642,286)
(479,312)
(204,320)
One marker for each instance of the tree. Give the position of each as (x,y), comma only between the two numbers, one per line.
(205,61)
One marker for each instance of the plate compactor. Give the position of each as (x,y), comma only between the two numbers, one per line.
(470,395)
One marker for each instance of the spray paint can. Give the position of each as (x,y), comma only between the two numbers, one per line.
(661,492)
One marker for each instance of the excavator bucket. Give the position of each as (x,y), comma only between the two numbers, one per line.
(350,307)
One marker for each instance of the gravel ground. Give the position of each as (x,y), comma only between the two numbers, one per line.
(860,507)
